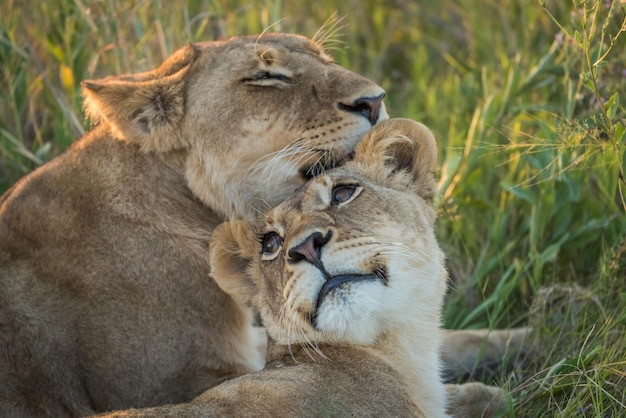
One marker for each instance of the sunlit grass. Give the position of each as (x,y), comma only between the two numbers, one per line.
(526,100)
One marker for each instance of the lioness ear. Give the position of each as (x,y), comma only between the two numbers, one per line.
(231,251)
(146,108)
(400,152)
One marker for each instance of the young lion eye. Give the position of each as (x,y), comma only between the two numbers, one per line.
(270,245)
(344,193)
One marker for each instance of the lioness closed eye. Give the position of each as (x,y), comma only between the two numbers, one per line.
(349,281)
(106,300)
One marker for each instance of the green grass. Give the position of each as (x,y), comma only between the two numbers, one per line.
(524,98)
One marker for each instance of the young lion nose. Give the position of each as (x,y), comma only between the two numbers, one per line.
(366,106)
(310,249)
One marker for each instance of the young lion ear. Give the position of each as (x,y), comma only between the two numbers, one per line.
(231,251)
(400,152)
(145,108)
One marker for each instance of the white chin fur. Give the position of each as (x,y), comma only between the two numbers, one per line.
(353,313)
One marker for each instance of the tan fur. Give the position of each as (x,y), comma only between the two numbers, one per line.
(105,296)
(464,351)
(469,352)
(369,346)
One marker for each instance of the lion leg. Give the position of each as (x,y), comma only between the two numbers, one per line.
(467,351)
(472,400)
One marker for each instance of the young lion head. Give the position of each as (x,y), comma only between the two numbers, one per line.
(253,117)
(352,255)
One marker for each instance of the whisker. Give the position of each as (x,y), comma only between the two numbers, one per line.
(331,28)
(281,321)
(261,163)
(294,154)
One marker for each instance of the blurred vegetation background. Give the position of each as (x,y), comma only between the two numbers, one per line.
(525,98)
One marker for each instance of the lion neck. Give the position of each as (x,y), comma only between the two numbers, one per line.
(230,189)
(158,191)
(412,351)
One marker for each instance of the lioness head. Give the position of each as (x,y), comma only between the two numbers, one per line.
(352,255)
(253,117)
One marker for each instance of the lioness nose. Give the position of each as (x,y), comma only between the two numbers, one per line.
(310,249)
(366,106)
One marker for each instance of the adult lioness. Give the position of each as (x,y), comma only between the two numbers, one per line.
(105,296)
(349,281)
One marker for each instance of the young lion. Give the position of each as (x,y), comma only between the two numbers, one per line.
(105,296)
(349,281)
